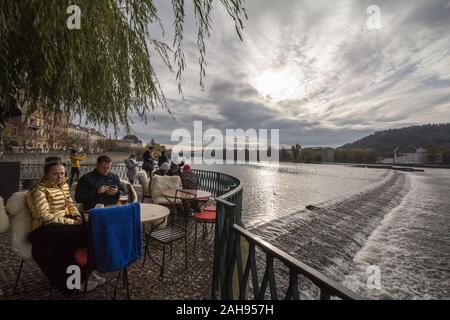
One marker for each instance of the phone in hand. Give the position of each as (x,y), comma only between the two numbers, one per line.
(111,184)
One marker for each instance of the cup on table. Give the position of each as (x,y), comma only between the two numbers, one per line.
(123,200)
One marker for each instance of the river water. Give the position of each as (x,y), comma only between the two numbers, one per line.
(397,222)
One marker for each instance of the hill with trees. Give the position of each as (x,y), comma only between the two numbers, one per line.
(384,142)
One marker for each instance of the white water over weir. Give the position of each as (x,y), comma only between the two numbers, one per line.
(344,237)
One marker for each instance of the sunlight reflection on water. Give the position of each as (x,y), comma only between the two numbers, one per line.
(271,193)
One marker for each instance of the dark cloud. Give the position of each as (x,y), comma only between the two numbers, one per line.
(430,14)
(313,70)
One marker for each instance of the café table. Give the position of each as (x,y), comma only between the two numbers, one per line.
(186,193)
(150,212)
(153,212)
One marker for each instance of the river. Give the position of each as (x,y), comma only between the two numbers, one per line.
(397,222)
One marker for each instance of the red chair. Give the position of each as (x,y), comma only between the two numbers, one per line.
(81,257)
(211,208)
(205,217)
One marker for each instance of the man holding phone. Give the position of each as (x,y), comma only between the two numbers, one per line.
(99,186)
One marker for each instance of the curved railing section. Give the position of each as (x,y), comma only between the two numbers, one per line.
(219,184)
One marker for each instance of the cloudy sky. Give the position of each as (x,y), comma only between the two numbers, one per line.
(314,70)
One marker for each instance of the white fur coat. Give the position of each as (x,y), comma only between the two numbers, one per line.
(20,220)
(144,182)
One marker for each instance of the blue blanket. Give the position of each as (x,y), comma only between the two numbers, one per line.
(116,236)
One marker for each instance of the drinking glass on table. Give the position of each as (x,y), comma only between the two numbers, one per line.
(123,199)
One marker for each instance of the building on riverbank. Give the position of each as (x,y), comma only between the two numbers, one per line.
(410,156)
(40,131)
(44,132)
(84,139)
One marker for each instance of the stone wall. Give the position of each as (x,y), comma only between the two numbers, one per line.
(39,158)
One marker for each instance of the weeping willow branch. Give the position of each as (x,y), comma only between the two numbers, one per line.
(102,72)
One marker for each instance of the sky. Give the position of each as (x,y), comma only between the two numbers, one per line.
(319,71)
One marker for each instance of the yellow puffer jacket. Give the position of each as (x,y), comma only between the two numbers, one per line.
(51,203)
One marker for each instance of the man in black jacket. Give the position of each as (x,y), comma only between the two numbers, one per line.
(149,161)
(99,186)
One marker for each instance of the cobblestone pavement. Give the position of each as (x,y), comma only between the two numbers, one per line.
(179,283)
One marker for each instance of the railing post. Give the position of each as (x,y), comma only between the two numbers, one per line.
(223,249)
(230,262)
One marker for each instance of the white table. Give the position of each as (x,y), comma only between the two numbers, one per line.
(152,212)
(149,212)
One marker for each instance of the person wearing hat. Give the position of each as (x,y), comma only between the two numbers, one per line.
(163,169)
(174,170)
(162,158)
(189,179)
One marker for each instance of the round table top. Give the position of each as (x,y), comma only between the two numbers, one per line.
(187,194)
(151,212)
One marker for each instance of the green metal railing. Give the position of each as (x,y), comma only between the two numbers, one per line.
(233,260)
(219,184)
(227,190)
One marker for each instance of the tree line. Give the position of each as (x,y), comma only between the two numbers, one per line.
(318,155)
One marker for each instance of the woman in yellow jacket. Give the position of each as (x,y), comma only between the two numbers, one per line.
(58,231)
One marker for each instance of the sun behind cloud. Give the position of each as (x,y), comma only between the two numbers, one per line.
(282,84)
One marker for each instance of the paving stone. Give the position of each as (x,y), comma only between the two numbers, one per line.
(144,283)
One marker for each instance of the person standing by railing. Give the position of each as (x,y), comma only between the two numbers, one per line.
(149,161)
(75,165)
(131,165)
(162,158)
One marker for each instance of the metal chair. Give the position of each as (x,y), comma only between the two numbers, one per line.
(173,232)
(207,216)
